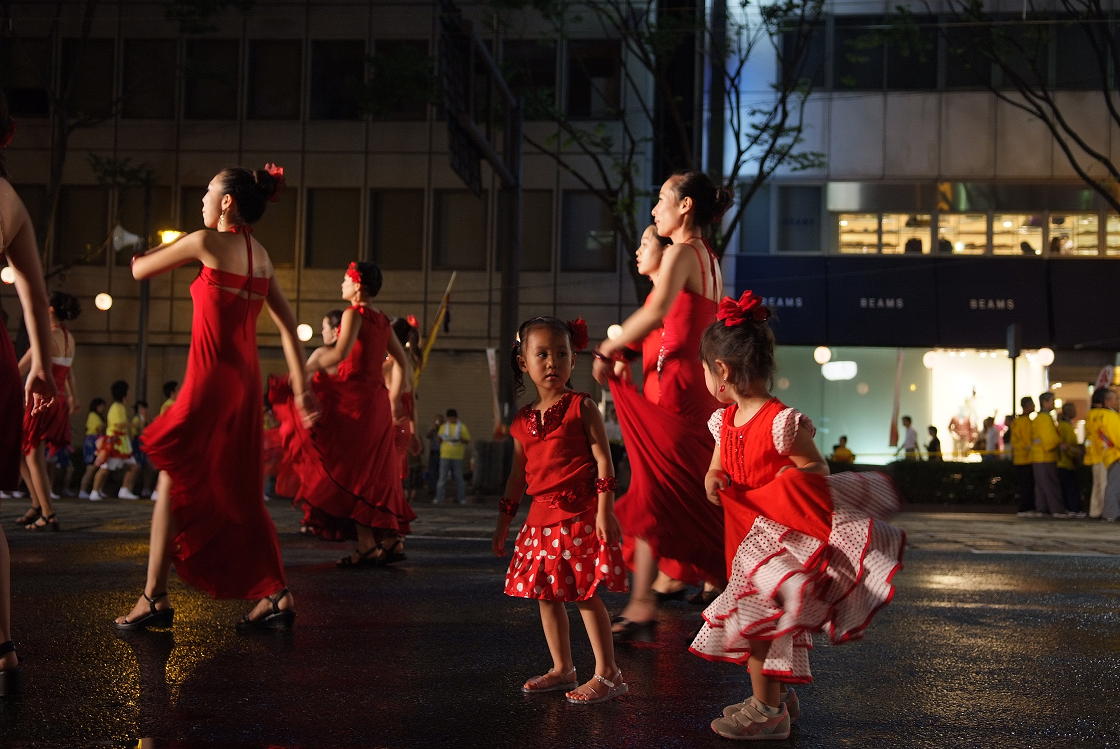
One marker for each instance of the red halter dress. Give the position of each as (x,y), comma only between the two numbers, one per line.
(557,555)
(669,447)
(210,442)
(50,425)
(806,553)
(11,413)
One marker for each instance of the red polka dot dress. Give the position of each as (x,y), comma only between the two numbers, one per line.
(557,555)
(806,553)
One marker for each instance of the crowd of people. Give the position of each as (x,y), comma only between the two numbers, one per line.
(727,490)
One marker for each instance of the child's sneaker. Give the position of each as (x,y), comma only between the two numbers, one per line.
(753,724)
(95,496)
(83,495)
(789,699)
(126,494)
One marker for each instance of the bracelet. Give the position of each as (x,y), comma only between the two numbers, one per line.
(601,356)
(508,506)
(604,485)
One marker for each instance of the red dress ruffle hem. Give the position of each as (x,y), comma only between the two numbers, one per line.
(50,425)
(347,462)
(808,553)
(557,555)
(669,448)
(11,413)
(210,443)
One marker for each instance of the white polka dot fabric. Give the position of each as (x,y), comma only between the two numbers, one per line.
(785,585)
(564,562)
(715,423)
(785,427)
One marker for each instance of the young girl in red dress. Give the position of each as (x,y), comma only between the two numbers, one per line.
(807,552)
(569,545)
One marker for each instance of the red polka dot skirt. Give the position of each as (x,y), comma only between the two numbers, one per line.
(564,562)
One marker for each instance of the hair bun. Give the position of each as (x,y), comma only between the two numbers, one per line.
(270,180)
(725,196)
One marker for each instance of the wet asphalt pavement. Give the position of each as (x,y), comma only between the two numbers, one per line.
(981,648)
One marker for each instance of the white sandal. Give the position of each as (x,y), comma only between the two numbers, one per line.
(567,684)
(615,688)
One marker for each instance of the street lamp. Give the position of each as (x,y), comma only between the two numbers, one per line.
(167,236)
(103,301)
(304,332)
(7,275)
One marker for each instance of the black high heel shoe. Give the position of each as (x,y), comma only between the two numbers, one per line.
(391,554)
(30,516)
(154,618)
(50,523)
(277,620)
(374,556)
(11,679)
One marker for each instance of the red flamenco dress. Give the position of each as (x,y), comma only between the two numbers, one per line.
(347,463)
(806,553)
(11,413)
(210,444)
(557,555)
(50,425)
(669,447)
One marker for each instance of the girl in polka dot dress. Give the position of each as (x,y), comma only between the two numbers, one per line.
(569,545)
(807,552)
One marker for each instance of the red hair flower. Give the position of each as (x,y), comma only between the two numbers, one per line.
(578,328)
(277,173)
(353,273)
(413,321)
(749,306)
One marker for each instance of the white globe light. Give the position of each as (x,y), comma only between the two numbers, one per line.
(822,354)
(304,331)
(7,275)
(929,359)
(1045,356)
(834,371)
(103,301)
(863,388)
(614,331)
(783,383)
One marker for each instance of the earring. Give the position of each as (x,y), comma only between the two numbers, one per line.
(221,220)
(722,388)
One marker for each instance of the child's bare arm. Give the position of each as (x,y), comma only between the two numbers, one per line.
(805,455)
(606,523)
(515,490)
(716,478)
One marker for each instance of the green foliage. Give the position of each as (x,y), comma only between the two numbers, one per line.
(113,172)
(200,16)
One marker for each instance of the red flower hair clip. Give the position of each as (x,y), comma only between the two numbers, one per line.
(353,273)
(413,321)
(277,173)
(749,306)
(578,328)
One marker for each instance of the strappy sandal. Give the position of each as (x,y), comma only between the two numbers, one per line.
(277,620)
(391,554)
(50,523)
(615,688)
(551,682)
(633,631)
(30,516)
(154,618)
(11,679)
(368,558)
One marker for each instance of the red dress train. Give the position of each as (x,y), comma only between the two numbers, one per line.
(50,425)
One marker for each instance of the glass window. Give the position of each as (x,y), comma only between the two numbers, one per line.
(594,78)
(402,79)
(337,79)
(130,212)
(912,57)
(588,241)
(1076,64)
(212,73)
(1074,234)
(275,72)
(858,53)
(332,227)
(276,229)
(858,233)
(536,228)
(1016,234)
(1024,52)
(962,233)
(82,225)
(459,236)
(149,77)
(25,68)
(88,65)
(754,233)
(799,218)
(906,234)
(397,229)
(966,66)
(1112,235)
(530,67)
(804,53)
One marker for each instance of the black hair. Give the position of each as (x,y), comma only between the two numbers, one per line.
(709,202)
(118,390)
(1025,401)
(334,318)
(1097,399)
(66,306)
(139,404)
(1047,396)
(843,436)
(95,404)
(169,387)
(544,321)
(932,429)
(251,189)
(371,277)
(7,128)
(452,413)
(663,241)
(409,337)
(907,418)
(747,349)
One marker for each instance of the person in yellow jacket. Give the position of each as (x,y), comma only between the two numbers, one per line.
(1044,460)
(1069,458)
(1094,450)
(1108,433)
(1021,458)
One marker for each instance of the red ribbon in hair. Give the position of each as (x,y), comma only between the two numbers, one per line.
(749,306)
(413,321)
(578,328)
(353,273)
(277,173)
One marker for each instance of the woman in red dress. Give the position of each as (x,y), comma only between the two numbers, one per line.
(403,403)
(664,511)
(347,463)
(17,244)
(210,517)
(49,428)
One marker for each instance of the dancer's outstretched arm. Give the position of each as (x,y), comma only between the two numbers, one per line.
(281,313)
